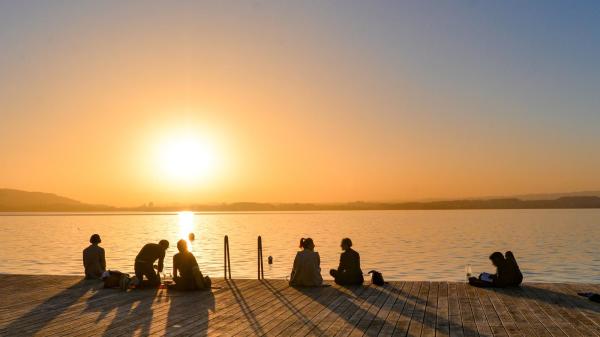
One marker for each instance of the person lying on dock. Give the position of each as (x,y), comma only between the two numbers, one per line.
(508,273)
(186,273)
(144,264)
(348,272)
(94,260)
(591,296)
(306,271)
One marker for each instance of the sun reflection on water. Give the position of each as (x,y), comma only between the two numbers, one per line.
(186,226)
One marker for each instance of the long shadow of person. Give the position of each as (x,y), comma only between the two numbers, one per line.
(360,312)
(560,296)
(134,317)
(188,312)
(41,315)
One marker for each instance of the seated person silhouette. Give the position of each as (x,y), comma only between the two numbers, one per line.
(306,271)
(508,273)
(348,272)
(94,261)
(186,273)
(144,263)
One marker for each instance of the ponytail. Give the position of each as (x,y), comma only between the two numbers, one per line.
(306,242)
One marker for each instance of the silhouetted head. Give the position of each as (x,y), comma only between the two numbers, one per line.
(346,243)
(95,239)
(182,246)
(307,243)
(497,258)
(164,244)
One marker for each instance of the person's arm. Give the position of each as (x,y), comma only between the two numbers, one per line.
(161,260)
(294,269)
(318,262)
(84,259)
(174,267)
(102,260)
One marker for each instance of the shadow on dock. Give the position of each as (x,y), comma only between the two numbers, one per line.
(53,306)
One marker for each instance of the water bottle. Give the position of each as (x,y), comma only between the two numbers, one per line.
(469,271)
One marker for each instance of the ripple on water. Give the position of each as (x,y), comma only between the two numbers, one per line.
(551,245)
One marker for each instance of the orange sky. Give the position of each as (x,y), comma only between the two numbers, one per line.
(298,104)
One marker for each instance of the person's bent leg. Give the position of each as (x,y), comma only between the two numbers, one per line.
(139,274)
(153,278)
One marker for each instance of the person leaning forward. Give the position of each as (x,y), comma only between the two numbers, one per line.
(144,263)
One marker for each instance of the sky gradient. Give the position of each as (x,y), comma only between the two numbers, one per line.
(301,101)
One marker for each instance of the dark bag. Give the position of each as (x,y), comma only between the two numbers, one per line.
(113,279)
(376,278)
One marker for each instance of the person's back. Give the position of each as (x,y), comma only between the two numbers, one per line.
(350,265)
(150,253)
(94,261)
(143,266)
(349,271)
(307,267)
(504,274)
(184,263)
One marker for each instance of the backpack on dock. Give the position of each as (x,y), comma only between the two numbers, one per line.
(376,278)
(113,278)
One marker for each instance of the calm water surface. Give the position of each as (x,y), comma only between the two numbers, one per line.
(550,245)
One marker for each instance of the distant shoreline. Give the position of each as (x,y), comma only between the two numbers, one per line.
(16,201)
(591,202)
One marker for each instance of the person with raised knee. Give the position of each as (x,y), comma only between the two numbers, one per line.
(144,263)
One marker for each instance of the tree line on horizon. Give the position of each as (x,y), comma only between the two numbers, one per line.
(21,201)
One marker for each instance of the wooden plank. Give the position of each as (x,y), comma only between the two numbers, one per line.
(430,318)
(491,314)
(442,323)
(326,318)
(361,311)
(540,315)
(371,314)
(466,313)
(416,322)
(346,314)
(454,318)
(396,310)
(403,323)
(61,306)
(381,317)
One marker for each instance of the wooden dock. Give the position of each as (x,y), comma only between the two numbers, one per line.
(67,306)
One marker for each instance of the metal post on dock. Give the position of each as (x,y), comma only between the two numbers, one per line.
(226,259)
(261,270)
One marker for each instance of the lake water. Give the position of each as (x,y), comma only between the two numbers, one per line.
(550,245)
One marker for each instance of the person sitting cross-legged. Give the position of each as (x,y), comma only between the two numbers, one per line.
(348,272)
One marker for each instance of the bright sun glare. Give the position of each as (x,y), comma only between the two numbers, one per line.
(186,226)
(187,159)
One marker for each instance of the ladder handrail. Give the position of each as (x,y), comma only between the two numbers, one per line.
(226,258)
(261,269)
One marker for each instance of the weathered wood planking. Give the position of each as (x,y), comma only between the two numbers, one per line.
(67,306)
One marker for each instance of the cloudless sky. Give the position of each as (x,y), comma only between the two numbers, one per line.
(315,101)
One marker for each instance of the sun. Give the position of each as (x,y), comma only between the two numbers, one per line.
(187,158)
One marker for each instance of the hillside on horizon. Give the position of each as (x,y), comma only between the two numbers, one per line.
(12,200)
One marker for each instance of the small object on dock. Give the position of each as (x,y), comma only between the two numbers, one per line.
(270,259)
(191,236)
